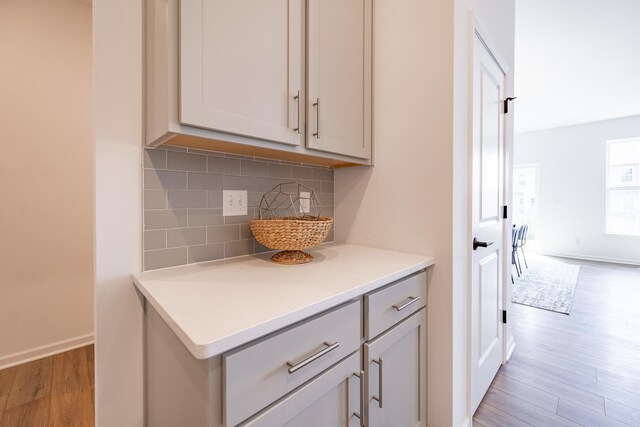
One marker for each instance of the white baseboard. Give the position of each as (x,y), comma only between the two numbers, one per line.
(511,346)
(45,351)
(466,423)
(591,258)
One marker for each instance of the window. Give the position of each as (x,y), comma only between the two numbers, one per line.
(623,187)
(524,198)
(627,174)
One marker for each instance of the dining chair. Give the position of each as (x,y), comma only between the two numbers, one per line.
(522,240)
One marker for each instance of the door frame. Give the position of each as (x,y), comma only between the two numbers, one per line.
(475,29)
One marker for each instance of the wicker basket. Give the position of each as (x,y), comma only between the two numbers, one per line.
(291,235)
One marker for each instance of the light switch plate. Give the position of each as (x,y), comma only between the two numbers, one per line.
(234,202)
(305,202)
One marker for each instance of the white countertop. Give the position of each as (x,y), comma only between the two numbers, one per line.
(218,305)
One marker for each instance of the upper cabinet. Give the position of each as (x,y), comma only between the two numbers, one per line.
(339,76)
(286,79)
(241,67)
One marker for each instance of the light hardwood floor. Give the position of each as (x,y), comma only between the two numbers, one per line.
(581,369)
(55,391)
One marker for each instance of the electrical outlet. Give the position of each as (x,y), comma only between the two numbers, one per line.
(305,202)
(234,202)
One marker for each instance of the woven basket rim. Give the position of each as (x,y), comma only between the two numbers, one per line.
(319,219)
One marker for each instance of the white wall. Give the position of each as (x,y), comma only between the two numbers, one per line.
(46,178)
(571,163)
(118,139)
(415,197)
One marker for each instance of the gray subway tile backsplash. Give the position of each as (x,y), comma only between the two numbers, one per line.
(165,258)
(214,199)
(164,179)
(300,172)
(238,248)
(155,199)
(155,239)
(169,218)
(186,236)
(223,233)
(183,219)
(322,174)
(223,165)
(234,182)
(199,253)
(200,217)
(253,168)
(277,170)
(155,159)
(187,199)
(203,181)
(265,184)
(186,162)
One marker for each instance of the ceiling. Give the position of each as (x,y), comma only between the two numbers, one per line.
(576,61)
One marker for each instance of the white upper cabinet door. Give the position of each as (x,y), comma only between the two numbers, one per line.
(241,67)
(339,76)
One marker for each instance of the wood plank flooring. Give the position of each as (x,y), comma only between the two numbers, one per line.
(50,392)
(581,369)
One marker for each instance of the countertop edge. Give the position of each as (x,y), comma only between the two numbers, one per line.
(207,350)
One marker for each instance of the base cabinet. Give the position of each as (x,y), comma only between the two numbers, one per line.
(396,375)
(332,399)
(320,372)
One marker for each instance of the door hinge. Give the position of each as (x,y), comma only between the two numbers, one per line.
(505,212)
(506,103)
(504,316)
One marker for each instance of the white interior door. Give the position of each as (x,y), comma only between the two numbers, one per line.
(488,194)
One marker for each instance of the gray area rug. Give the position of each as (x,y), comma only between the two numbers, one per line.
(546,284)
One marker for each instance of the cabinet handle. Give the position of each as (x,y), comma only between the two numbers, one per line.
(360,376)
(317,105)
(295,366)
(379,397)
(297,99)
(406,304)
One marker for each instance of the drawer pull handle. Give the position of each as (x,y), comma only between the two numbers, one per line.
(295,366)
(379,397)
(406,304)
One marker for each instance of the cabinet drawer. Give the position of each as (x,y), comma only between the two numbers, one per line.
(388,306)
(331,399)
(260,373)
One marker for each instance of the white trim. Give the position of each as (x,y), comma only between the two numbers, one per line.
(45,351)
(591,258)
(511,346)
(466,422)
(486,40)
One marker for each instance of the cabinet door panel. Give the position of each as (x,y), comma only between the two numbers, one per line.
(339,77)
(329,400)
(400,356)
(241,66)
